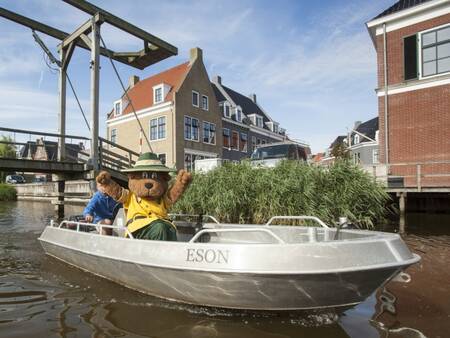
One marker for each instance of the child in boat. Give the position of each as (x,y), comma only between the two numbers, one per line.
(101,209)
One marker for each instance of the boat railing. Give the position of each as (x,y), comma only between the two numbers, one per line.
(312,218)
(190,215)
(98,226)
(263,230)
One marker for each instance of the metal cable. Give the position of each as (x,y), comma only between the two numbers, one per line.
(78,101)
(126,93)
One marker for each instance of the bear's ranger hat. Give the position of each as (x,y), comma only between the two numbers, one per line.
(148,162)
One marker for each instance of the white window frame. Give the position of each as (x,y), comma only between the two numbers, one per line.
(238,114)
(225,106)
(356,139)
(155,88)
(207,102)
(115,136)
(375,151)
(198,98)
(120,109)
(259,118)
(157,128)
(419,49)
(209,131)
(192,128)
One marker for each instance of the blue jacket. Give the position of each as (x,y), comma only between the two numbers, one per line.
(101,206)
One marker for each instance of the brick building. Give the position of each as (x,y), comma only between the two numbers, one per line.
(412,40)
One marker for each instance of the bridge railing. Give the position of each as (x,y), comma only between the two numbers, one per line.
(112,159)
(109,156)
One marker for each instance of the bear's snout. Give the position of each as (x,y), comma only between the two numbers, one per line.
(148,185)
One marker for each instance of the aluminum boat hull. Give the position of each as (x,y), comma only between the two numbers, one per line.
(237,276)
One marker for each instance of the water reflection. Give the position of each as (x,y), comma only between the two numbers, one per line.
(47,298)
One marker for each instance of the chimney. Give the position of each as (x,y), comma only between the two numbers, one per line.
(217,79)
(133,80)
(195,53)
(357,123)
(252,97)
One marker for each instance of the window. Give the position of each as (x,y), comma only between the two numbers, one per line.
(204,102)
(189,160)
(263,142)
(226,138)
(258,141)
(356,139)
(377,135)
(194,98)
(435,51)
(157,94)
(158,128)
(162,127)
(259,121)
(209,132)
(243,143)
(226,110)
(235,140)
(357,158)
(162,158)
(153,129)
(253,143)
(375,156)
(118,108)
(114,135)
(190,128)
(238,114)
(275,128)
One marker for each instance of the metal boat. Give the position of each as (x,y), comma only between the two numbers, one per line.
(236,266)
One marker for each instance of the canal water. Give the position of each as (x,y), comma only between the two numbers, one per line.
(42,297)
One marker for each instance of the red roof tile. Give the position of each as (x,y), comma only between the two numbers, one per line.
(142,93)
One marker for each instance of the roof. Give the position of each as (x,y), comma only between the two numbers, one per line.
(51,148)
(368,128)
(338,140)
(248,106)
(399,6)
(141,94)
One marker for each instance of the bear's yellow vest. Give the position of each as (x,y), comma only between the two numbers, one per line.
(141,212)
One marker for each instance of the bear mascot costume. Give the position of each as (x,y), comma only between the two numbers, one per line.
(148,198)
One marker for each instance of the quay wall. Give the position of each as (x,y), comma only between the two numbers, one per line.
(76,192)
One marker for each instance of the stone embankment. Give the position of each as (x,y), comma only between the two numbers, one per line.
(76,192)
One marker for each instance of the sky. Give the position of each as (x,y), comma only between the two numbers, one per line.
(311,64)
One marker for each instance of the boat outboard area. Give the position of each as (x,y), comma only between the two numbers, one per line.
(238,266)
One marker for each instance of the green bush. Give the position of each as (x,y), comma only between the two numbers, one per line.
(7,192)
(239,193)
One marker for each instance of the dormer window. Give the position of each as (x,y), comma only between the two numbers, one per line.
(117,108)
(356,139)
(238,114)
(275,128)
(160,92)
(226,110)
(158,95)
(259,121)
(377,135)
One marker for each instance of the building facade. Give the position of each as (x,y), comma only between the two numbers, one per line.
(412,40)
(364,143)
(178,111)
(245,124)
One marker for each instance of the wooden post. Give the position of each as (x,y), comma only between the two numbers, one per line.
(402,207)
(62,106)
(59,207)
(95,74)
(419,177)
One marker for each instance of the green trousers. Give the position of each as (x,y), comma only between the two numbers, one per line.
(158,230)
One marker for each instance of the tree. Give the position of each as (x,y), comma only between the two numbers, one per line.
(6,151)
(340,150)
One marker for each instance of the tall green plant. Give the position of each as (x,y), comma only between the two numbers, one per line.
(6,151)
(240,193)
